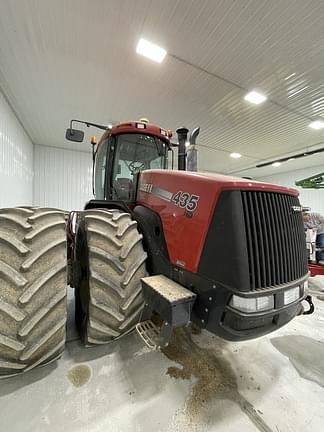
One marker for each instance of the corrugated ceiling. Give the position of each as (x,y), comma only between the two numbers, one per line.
(76,59)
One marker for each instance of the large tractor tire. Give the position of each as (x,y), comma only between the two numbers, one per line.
(32,288)
(108,296)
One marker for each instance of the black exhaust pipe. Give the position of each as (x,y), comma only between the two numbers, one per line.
(182,139)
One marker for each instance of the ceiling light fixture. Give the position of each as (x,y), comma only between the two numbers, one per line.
(276,164)
(255,97)
(150,50)
(235,155)
(317,124)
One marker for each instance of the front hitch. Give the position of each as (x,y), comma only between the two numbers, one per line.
(311,305)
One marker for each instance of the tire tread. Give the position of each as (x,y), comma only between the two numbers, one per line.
(116,266)
(32,288)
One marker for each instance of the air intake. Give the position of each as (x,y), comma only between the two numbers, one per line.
(275,238)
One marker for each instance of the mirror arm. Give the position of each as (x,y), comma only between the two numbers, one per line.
(88,124)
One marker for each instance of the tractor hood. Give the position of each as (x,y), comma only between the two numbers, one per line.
(221,181)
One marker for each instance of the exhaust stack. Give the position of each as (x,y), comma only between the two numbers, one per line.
(182,139)
(192,151)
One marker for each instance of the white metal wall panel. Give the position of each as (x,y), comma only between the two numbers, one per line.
(308,197)
(63,178)
(16,160)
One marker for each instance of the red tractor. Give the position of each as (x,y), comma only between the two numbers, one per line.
(225,253)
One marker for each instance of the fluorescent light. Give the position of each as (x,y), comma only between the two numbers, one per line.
(276,164)
(187,143)
(318,124)
(236,155)
(150,50)
(255,97)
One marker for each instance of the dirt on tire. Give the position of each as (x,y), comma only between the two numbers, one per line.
(116,264)
(32,288)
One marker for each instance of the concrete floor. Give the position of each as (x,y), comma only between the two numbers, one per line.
(272,384)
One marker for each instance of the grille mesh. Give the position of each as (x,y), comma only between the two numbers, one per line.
(275,238)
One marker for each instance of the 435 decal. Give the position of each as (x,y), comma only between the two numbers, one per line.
(185,200)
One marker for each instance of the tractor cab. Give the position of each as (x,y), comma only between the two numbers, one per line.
(122,153)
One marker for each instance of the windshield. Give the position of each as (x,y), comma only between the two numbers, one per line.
(134,153)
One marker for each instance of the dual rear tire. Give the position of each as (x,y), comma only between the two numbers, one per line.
(32,288)
(108,297)
(33,282)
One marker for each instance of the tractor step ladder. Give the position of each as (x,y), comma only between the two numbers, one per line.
(150,333)
(171,301)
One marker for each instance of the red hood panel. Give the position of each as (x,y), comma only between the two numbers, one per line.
(185,202)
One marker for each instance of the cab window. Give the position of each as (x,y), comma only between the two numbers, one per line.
(100,171)
(135,153)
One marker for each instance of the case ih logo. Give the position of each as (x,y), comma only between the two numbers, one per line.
(296,209)
(146,187)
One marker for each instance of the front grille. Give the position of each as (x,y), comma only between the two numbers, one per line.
(275,239)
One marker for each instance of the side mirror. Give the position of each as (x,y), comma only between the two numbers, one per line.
(74,135)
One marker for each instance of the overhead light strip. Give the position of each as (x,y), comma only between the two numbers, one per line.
(292,157)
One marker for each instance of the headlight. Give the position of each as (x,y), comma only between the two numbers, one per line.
(291,295)
(256,304)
